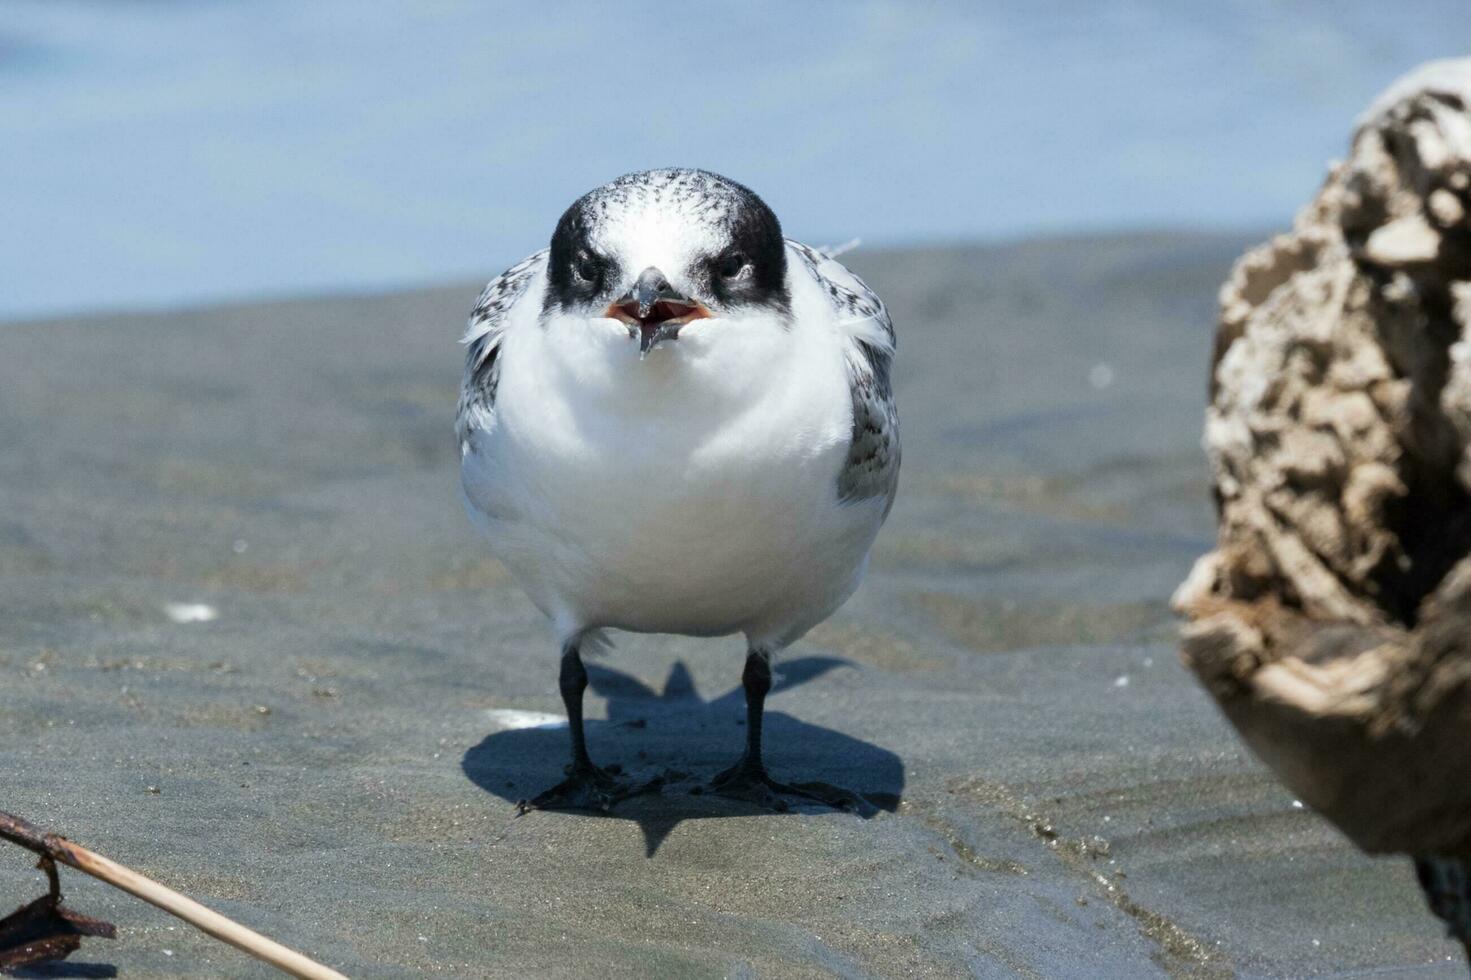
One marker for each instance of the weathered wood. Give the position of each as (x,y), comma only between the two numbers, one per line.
(1332,622)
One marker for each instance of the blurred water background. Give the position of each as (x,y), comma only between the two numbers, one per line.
(157,153)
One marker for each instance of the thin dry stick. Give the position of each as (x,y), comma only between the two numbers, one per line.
(58,848)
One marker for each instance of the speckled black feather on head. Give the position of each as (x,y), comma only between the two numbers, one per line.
(580,274)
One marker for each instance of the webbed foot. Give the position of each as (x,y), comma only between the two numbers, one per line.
(753,784)
(587,788)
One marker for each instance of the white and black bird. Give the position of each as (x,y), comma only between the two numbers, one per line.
(674,420)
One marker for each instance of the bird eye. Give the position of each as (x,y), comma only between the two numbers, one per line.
(731,265)
(586,267)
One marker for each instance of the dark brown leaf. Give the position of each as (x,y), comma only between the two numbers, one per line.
(44,930)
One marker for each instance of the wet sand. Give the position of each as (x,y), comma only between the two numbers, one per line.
(333,759)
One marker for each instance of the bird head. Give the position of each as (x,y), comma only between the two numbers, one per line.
(662,253)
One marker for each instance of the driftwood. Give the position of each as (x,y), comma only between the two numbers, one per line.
(1332,622)
(43,930)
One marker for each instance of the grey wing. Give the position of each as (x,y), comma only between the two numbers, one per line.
(482,340)
(872,466)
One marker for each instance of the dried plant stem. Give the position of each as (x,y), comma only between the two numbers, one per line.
(206,920)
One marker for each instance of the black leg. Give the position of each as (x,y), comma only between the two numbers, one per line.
(572,679)
(586,787)
(747,779)
(756,679)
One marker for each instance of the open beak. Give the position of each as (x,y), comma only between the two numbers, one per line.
(654,310)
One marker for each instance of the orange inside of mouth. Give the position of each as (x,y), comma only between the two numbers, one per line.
(665,311)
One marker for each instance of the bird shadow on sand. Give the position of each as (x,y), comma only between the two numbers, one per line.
(683,740)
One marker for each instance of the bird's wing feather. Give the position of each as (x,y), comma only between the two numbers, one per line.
(489,321)
(872,467)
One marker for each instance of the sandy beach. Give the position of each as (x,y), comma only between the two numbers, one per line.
(329,745)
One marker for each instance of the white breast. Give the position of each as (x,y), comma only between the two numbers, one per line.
(693,492)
